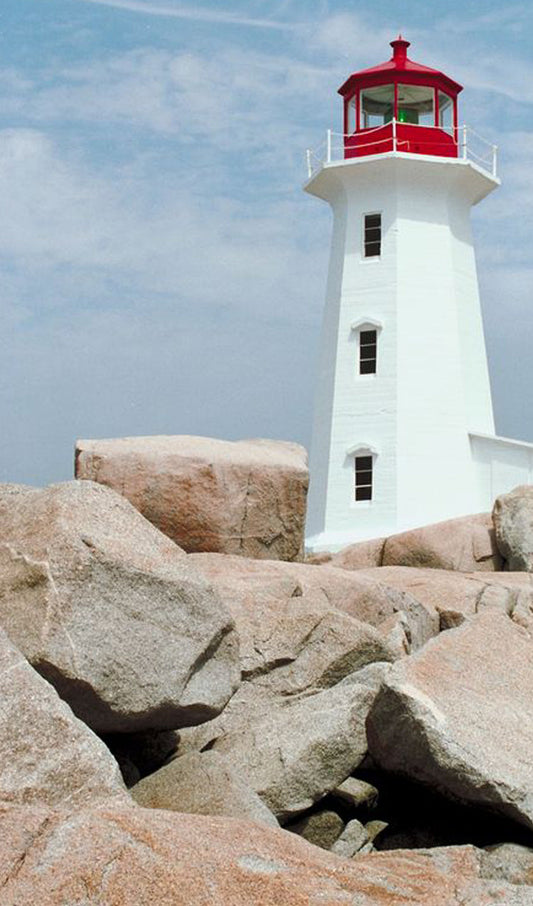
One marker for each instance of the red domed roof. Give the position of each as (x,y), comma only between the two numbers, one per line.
(398,68)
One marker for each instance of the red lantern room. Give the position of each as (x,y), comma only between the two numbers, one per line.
(400,106)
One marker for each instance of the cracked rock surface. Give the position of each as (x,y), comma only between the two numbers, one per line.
(302,627)
(457,596)
(293,751)
(243,497)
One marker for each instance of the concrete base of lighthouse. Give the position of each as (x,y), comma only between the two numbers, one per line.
(415,417)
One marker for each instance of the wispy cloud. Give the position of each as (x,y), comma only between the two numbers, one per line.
(512,17)
(192,13)
(166,302)
(160,240)
(257,111)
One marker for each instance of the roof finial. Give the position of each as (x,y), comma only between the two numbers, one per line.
(399,47)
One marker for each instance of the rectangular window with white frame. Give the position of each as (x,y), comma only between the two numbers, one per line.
(372,236)
(363,478)
(368,351)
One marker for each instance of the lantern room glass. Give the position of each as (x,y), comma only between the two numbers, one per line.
(446,117)
(377,106)
(416,105)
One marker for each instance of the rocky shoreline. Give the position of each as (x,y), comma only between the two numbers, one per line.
(192,714)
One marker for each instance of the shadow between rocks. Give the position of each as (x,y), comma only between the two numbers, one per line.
(419,817)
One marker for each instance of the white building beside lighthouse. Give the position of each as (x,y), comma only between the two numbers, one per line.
(403,431)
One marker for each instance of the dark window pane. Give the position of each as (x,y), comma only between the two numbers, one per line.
(363,478)
(368,336)
(372,229)
(368,352)
(367,366)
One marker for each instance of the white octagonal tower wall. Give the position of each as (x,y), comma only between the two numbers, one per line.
(431,385)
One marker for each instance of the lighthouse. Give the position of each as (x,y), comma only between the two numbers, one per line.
(403,429)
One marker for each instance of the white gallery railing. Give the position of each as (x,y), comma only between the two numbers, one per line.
(470,146)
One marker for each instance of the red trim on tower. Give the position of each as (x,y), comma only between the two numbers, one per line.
(400,68)
(417,139)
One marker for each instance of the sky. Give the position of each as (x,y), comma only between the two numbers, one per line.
(162,271)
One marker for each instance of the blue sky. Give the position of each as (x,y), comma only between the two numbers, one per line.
(162,271)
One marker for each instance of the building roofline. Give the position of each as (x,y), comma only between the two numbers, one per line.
(503,440)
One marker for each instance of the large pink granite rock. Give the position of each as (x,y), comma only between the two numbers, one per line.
(294,753)
(245,497)
(467,544)
(293,633)
(111,611)
(285,610)
(458,715)
(47,755)
(362,555)
(202,783)
(121,857)
(292,750)
(456,596)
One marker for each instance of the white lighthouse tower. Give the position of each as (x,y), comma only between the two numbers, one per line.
(403,404)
